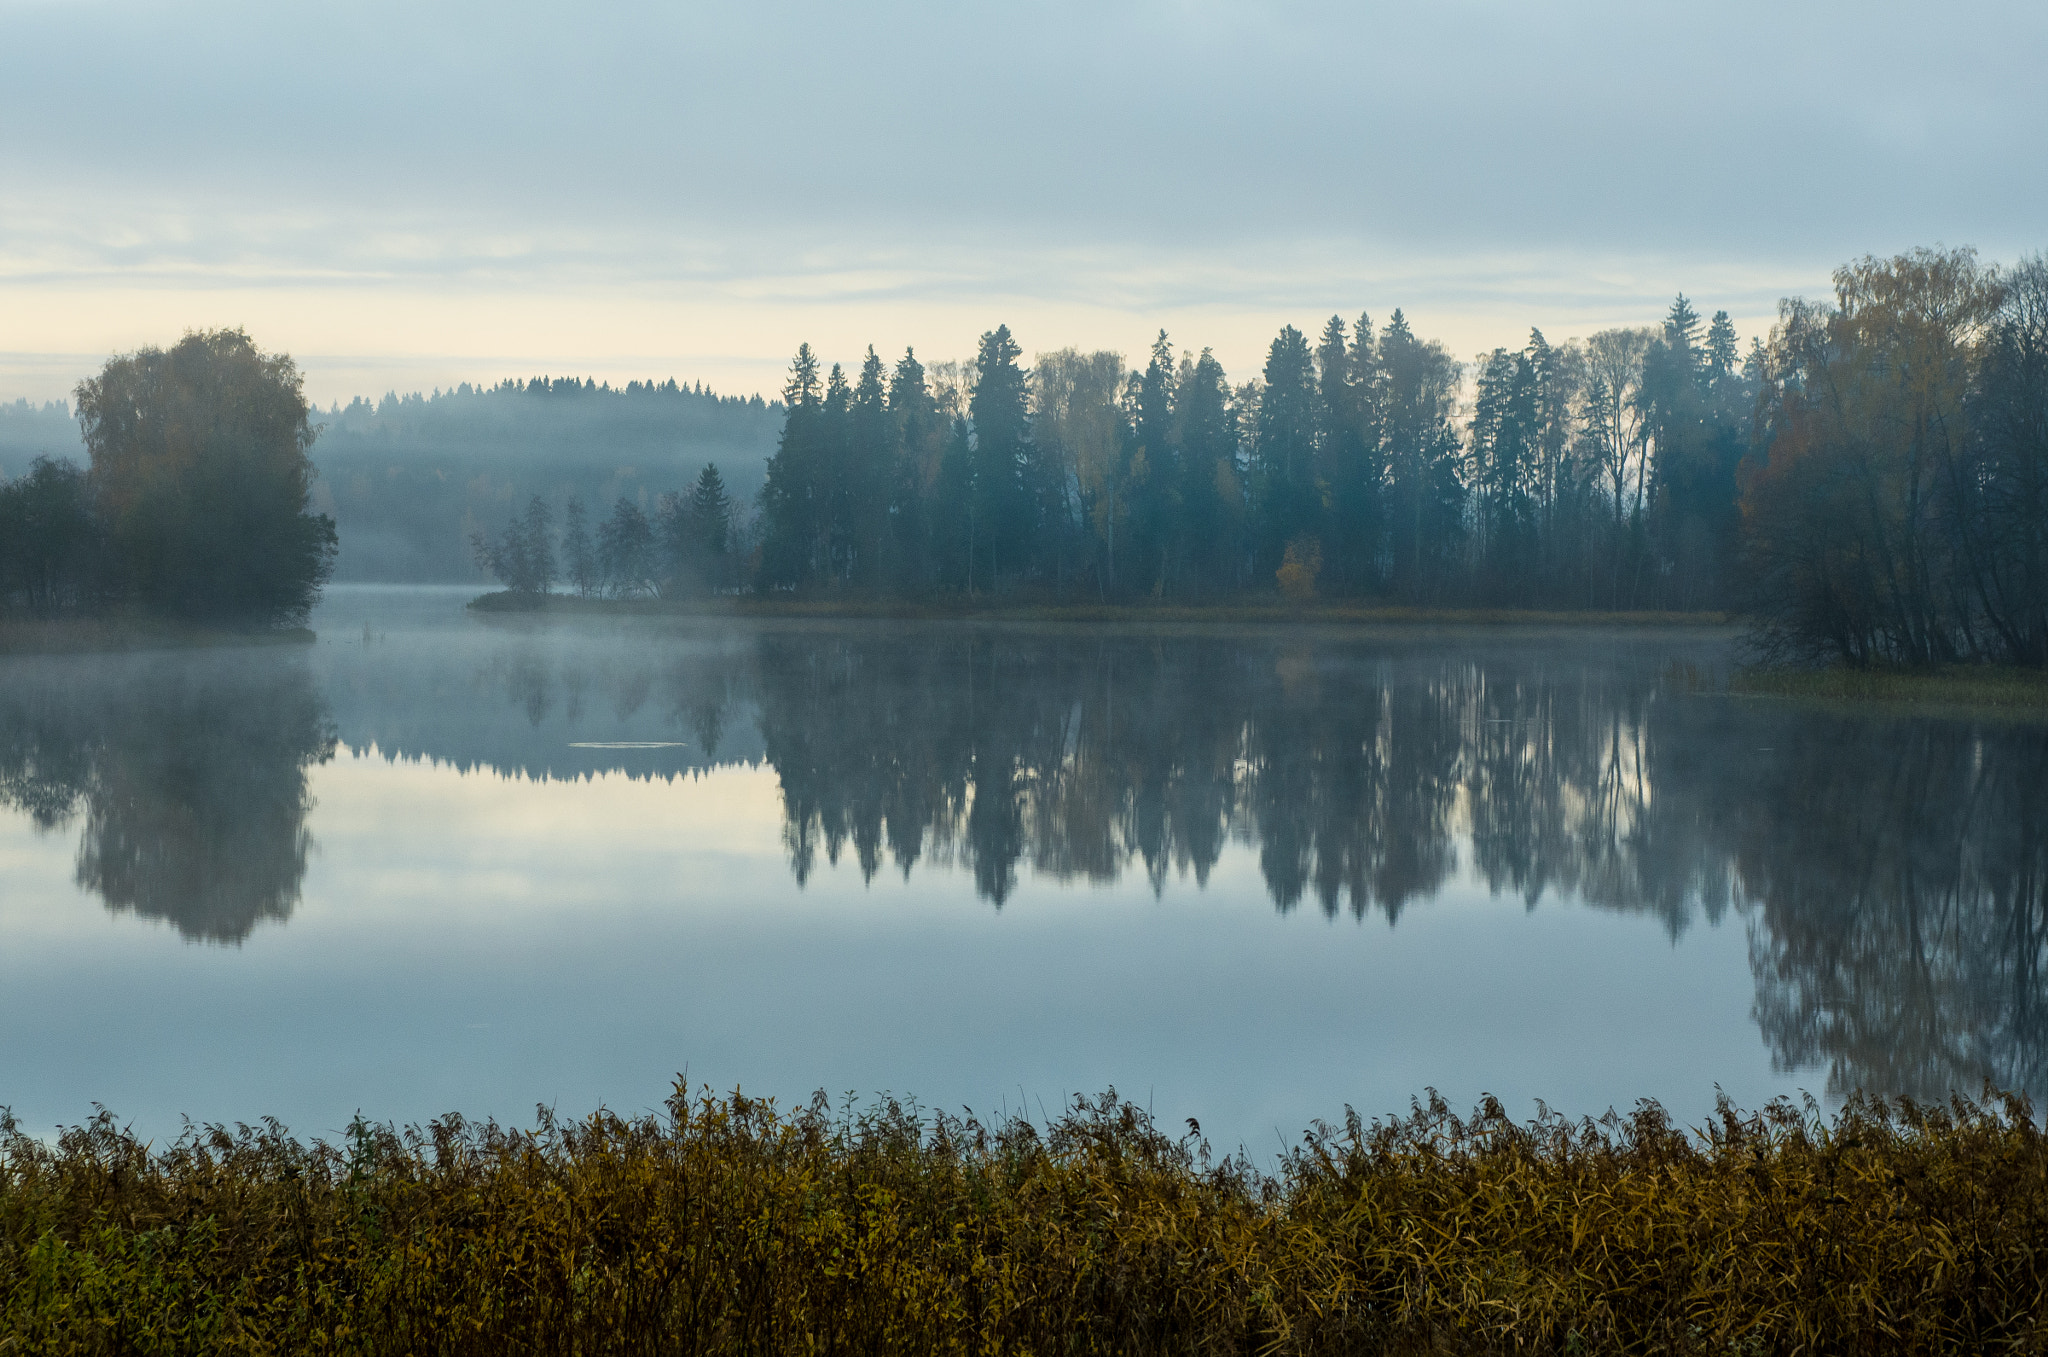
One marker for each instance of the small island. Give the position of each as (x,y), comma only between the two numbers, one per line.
(190,525)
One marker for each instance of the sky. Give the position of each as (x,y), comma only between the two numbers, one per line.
(410,195)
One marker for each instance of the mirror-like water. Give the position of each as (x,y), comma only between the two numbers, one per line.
(445,862)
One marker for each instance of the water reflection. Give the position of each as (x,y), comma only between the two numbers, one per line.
(188,774)
(1892,874)
(1355,774)
(1894,871)
(1902,886)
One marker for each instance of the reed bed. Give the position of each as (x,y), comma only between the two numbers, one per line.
(726,1225)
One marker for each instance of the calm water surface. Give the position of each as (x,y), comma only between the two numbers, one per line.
(473,864)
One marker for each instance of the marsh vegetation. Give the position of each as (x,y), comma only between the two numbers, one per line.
(728,1225)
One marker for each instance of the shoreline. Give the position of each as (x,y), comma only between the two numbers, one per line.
(1953,687)
(983,610)
(118,635)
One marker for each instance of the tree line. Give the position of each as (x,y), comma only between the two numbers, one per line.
(1870,482)
(408,478)
(195,501)
(1590,475)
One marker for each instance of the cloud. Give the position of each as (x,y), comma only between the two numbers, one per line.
(1170,155)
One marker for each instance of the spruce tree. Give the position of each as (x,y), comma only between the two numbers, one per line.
(1284,448)
(999,411)
(792,496)
(1212,499)
(919,436)
(1152,471)
(870,471)
(1347,455)
(832,547)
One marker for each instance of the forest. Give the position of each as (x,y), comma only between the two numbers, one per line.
(408,479)
(1868,483)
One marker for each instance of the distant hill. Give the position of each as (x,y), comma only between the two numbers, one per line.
(407,478)
(29,431)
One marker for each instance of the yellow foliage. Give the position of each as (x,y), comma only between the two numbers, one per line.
(1298,570)
(728,1226)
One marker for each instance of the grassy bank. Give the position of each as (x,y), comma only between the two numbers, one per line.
(1255,610)
(726,1226)
(71,636)
(1961,686)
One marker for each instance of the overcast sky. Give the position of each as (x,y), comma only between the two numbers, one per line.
(412,195)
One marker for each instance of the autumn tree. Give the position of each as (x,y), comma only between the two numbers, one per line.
(1854,529)
(200,478)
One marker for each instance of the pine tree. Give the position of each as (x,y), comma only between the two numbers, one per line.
(792,494)
(919,438)
(999,412)
(1721,345)
(1152,472)
(1212,498)
(1284,448)
(1425,485)
(1346,455)
(871,457)
(695,528)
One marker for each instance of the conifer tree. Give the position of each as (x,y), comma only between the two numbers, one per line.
(919,435)
(792,498)
(871,458)
(832,548)
(1347,455)
(1425,486)
(1212,499)
(1151,471)
(1284,448)
(1000,500)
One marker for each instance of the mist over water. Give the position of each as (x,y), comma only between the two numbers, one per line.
(442,862)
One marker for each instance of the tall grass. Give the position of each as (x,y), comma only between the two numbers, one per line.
(726,1225)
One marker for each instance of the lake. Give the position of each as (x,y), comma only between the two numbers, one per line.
(440,861)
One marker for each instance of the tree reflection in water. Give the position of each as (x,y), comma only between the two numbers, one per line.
(189,774)
(1902,882)
(1894,872)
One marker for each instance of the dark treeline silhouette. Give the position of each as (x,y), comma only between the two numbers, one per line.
(1872,484)
(187,778)
(409,479)
(1584,475)
(195,504)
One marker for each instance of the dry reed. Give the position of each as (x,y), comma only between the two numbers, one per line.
(729,1226)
